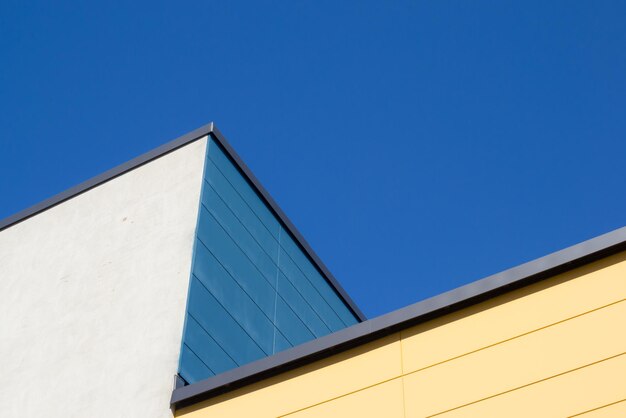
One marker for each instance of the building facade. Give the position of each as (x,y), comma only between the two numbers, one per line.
(174,285)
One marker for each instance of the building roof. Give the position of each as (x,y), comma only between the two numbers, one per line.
(363,332)
(445,303)
(208,129)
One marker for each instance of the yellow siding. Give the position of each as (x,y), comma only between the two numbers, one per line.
(516,313)
(380,401)
(330,378)
(518,362)
(556,348)
(561,396)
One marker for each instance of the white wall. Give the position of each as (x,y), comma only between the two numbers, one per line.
(93,295)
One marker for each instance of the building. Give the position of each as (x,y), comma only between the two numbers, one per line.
(174,285)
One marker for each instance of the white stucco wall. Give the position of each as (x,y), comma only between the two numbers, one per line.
(93,294)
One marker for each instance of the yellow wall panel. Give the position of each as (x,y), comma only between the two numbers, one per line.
(344,373)
(517,362)
(566,395)
(380,401)
(544,303)
(551,349)
(614,410)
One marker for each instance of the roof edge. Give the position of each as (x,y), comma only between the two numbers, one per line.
(464,296)
(106,176)
(208,129)
(308,250)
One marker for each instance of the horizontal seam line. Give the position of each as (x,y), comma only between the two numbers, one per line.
(341,396)
(255,267)
(196,354)
(528,384)
(513,338)
(229,314)
(211,337)
(241,287)
(279,246)
(280,225)
(215,164)
(266,253)
(595,409)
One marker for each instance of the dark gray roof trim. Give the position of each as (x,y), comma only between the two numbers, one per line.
(209,129)
(106,176)
(381,326)
(290,227)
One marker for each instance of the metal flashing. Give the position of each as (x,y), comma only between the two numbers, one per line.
(464,296)
(288,225)
(106,176)
(208,129)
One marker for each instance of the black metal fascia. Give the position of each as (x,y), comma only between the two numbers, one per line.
(287,223)
(208,129)
(470,294)
(106,176)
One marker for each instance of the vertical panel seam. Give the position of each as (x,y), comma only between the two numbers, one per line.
(279,248)
(280,226)
(315,288)
(255,267)
(230,314)
(238,284)
(276,289)
(343,395)
(486,347)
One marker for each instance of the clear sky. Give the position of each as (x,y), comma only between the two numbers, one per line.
(417,145)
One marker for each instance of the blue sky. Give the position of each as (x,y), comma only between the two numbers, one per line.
(418,146)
